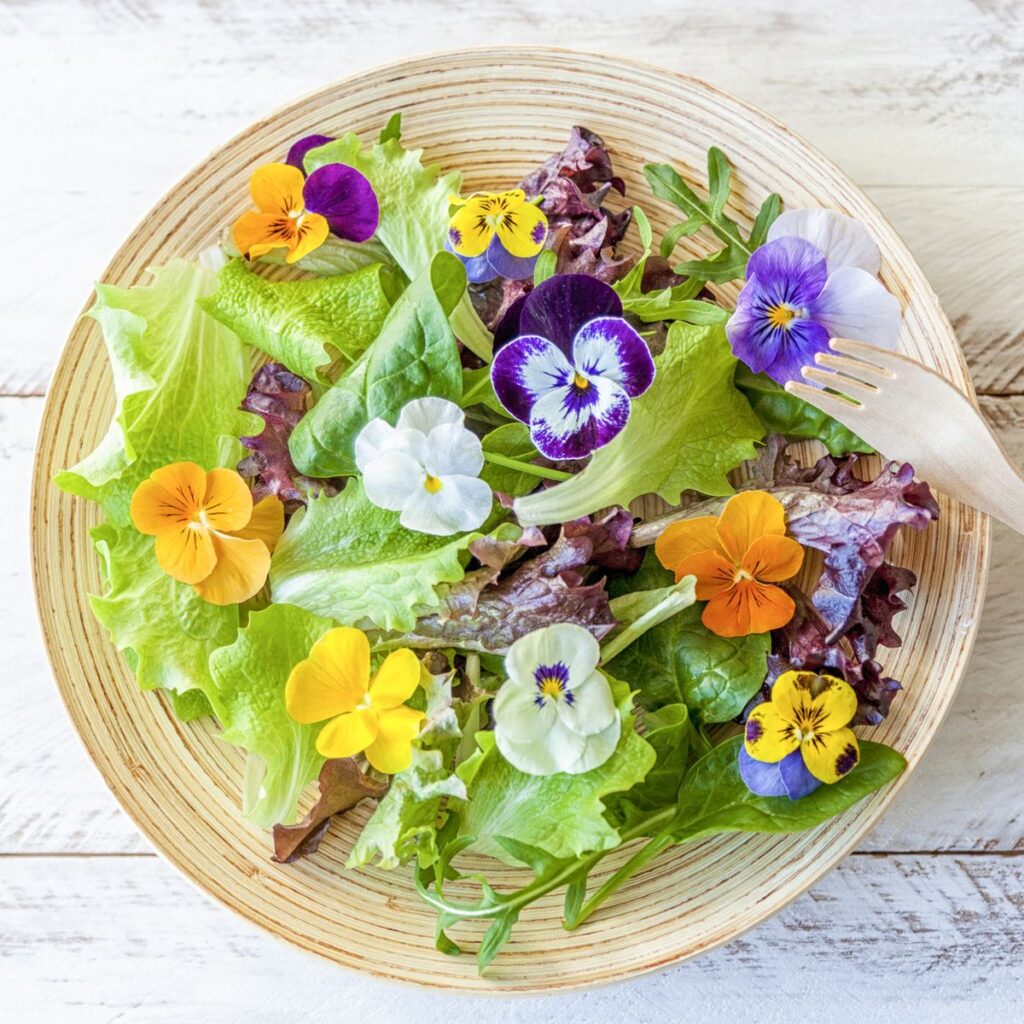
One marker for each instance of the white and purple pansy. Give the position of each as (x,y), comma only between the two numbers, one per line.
(555,711)
(572,366)
(814,279)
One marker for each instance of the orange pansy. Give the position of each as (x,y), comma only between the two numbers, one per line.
(280,220)
(208,532)
(736,558)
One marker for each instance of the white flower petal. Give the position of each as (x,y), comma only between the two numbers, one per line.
(564,642)
(424,414)
(518,716)
(462,503)
(376,438)
(591,709)
(855,305)
(451,448)
(471,499)
(557,750)
(598,749)
(843,241)
(390,479)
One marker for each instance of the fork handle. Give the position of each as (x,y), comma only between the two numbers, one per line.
(1000,486)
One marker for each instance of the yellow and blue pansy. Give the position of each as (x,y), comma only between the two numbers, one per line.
(497,234)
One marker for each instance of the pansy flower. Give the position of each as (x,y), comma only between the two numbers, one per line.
(801,737)
(497,234)
(814,279)
(573,367)
(297,213)
(367,715)
(737,558)
(208,532)
(555,712)
(427,466)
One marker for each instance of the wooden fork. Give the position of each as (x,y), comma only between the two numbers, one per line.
(909,413)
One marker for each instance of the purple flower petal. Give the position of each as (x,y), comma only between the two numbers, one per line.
(761,777)
(608,346)
(802,340)
(795,776)
(525,369)
(508,326)
(346,198)
(297,154)
(478,268)
(570,422)
(504,264)
(791,270)
(853,304)
(561,305)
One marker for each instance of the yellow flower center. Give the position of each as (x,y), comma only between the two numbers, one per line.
(432,484)
(580,381)
(551,687)
(781,315)
(366,702)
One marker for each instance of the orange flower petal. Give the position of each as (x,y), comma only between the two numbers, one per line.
(266,524)
(749,607)
(746,517)
(186,553)
(242,567)
(277,189)
(228,500)
(255,234)
(678,541)
(391,751)
(170,498)
(714,574)
(396,680)
(773,558)
(332,679)
(348,734)
(311,234)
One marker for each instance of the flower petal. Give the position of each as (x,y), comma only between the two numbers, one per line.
(518,716)
(767,735)
(715,574)
(748,607)
(478,268)
(452,449)
(831,755)
(266,524)
(332,679)
(459,504)
(376,438)
(501,263)
(678,541)
(391,751)
(241,569)
(793,692)
(523,229)
(855,305)
(821,702)
(255,234)
(571,422)
(171,497)
(772,559)
(345,198)
(525,369)
(608,346)
(392,479)
(396,680)
(746,517)
(591,709)
(558,307)
(843,241)
(424,414)
(557,750)
(312,232)
(600,746)
(297,154)
(348,734)
(277,189)
(791,271)
(227,502)
(186,553)
(564,642)
(762,778)
(796,779)
(469,232)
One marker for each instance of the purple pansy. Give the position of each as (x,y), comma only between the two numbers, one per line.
(338,192)
(572,366)
(814,279)
(788,777)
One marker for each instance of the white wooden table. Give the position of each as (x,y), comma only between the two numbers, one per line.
(106,104)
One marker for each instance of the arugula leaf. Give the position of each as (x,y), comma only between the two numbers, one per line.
(511,441)
(414,355)
(250,676)
(688,431)
(306,325)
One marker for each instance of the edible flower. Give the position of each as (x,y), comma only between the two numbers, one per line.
(366,715)
(427,467)
(555,712)
(497,234)
(736,558)
(814,279)
(208,532)
(801,737)
(297,213)
(574,366)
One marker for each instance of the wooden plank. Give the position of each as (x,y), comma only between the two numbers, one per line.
(101,939)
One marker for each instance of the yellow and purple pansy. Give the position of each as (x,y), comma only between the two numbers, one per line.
(496,234)
(572,366)
(297,213)
(801,737)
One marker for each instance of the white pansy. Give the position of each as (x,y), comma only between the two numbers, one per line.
(427,467)
(555,712)
(843,241)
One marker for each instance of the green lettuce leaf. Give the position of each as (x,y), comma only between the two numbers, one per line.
(250,676)
(687,432)
(335,256)
(510,441)
(306,325)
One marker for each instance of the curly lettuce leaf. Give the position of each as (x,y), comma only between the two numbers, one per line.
(687,432)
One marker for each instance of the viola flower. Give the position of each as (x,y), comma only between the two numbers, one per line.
(366,715)
(801,737)
(497,234)
(736,558)
(814,279)
(208,532)
(297,213)
(574,367)
(555,712)
(427,467)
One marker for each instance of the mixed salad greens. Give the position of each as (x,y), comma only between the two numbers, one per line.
(481,516)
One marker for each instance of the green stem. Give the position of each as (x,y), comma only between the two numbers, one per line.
(471,394)
(526,467)
(664,609)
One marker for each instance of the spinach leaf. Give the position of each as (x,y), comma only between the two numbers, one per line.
(511,441)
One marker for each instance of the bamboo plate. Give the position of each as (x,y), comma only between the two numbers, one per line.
(495,113)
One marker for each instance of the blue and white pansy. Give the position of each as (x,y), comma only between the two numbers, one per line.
(555,712)
(427,467)
(572,366)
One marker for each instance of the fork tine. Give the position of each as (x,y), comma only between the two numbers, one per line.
(869,353)
(853,367)
(838,381)
(839,405)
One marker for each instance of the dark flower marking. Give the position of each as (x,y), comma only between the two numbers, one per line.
(754,730)
(847,760)
(538,232)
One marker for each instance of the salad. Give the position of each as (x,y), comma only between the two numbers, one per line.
(480,507)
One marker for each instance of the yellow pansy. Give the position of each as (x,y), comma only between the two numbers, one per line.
(365,714)
(520,226)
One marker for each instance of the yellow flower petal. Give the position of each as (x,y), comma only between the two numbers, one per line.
(310,234)
(469,231)
(522,230)
(267,522)
(773,558)
(391,751)
(678,541)
(396,680)
(793,694)
(228,500)
(332,680)
(242,567)
(768,736)
(170,498)
(186,553)
(348,734)
(277,189)
(256,234)
(831,755)
(814,703)
(746,517)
